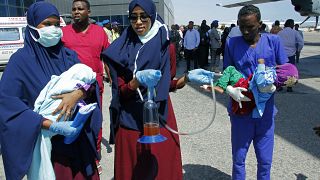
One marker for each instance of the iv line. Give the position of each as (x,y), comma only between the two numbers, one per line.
(201,130)
(198,131)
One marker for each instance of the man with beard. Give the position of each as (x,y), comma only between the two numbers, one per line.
(243,53)
(88,40)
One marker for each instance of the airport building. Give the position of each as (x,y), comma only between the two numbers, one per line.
(12,8)
(113,10)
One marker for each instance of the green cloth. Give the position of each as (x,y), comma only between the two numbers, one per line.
(230,77)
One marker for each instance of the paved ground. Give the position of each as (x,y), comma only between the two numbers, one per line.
(208,155)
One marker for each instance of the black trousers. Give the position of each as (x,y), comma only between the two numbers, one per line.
(191,55)
(203,53)
(292,59)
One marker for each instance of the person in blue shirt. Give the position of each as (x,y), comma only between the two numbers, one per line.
(243,53)
(190,43)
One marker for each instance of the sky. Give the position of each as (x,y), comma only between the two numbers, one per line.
(198,10)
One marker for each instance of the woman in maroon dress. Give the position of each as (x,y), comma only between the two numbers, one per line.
(143,45)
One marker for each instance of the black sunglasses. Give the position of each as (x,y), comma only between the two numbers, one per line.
(143,17)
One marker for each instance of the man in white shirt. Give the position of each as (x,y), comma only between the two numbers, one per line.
(191,43)
(291,40)
(234,32)
(215,44)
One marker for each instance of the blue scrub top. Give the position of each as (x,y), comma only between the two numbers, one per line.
(244,58)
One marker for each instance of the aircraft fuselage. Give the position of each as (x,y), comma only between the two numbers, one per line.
(307,7)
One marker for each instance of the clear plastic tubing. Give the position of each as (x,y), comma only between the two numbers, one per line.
(207,126)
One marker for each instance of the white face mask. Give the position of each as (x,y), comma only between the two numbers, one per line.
(49,35)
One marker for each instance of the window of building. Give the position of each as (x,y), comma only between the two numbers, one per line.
(28,3)
(117,18)
(96,18)
(3,11)
(125,20)
(15,2)
(101,18)
(16,11)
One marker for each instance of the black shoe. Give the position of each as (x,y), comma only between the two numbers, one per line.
(289,89)
(279,89)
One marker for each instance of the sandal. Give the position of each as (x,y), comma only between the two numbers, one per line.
(99,167)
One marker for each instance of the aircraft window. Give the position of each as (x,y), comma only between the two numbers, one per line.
(9,34)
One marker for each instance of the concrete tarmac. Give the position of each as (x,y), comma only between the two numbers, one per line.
(207,156)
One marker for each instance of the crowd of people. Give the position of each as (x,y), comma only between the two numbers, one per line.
(210,41)
(141,57)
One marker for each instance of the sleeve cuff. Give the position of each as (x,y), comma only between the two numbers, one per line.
(84,86)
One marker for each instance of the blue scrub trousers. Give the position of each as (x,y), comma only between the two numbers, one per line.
(245,130)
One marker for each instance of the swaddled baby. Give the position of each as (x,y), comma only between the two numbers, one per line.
(78,76)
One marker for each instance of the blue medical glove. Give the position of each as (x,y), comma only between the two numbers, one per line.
(200,76)
(148,77)
(64,128)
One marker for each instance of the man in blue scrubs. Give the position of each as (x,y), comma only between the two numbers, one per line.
(243,53)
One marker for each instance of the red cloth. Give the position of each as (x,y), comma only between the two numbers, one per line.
(247,106)
(88,45)
(173,67)
(173,60)
(125,89)
(148,161)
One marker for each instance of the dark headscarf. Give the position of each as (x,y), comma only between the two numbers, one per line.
(27,73)
(36,14)
(204,28)
(120,57)
(147,5)
(49,57)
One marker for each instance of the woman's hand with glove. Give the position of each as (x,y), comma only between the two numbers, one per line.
(236,94)
(200,76)
(148,77)
(64,128)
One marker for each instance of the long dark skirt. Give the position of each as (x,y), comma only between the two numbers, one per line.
(203,53)
(66,170)
(148,161)
(74,161)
